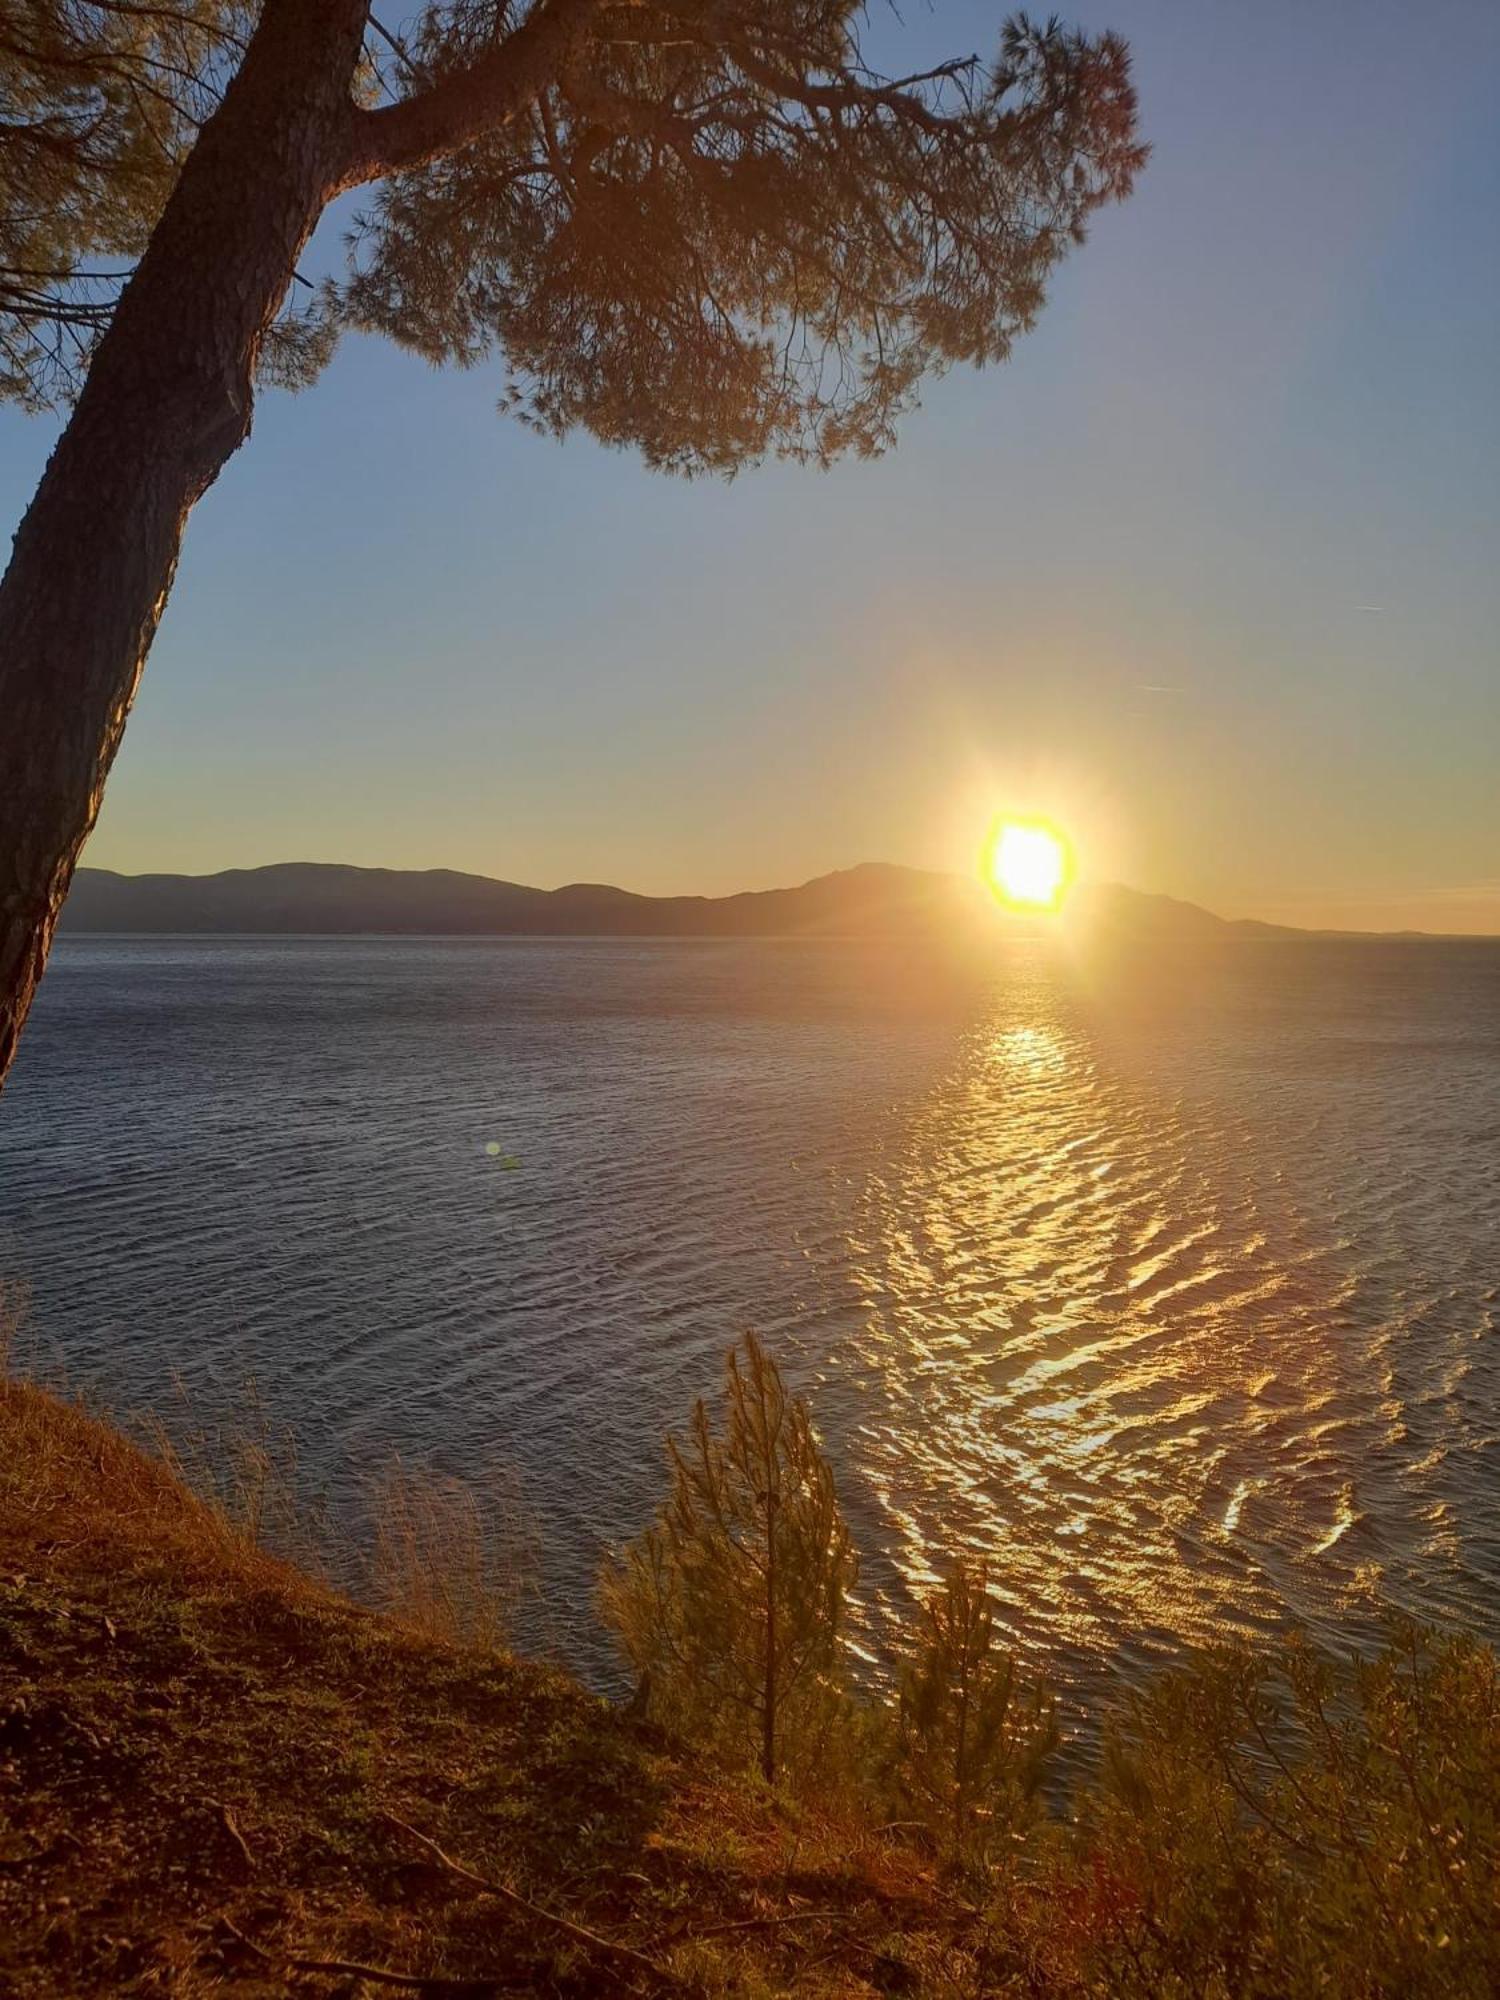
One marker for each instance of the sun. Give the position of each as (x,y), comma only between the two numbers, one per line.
(1029,864)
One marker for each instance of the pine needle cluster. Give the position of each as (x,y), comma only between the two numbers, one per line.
(731,1606)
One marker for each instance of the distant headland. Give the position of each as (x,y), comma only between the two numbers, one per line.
(328,899)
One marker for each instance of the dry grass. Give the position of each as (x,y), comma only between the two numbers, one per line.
(448,1558)
(75,1493)
(67,1475)
(445,1558)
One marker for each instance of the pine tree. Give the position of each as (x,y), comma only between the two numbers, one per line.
(707,231)
(731,1605)
(99,106)
(974,1740)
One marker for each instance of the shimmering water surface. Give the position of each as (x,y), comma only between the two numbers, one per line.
(1170,1282)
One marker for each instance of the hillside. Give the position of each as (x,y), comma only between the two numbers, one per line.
(318,898)
(314,898)
(216,1774)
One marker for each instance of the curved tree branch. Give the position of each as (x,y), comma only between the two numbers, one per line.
(470,102)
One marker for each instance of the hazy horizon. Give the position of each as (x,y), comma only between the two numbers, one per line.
(1085,883)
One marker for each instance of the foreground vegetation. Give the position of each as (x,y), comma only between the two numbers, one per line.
(219,1776)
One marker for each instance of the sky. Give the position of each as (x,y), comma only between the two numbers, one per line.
(1209,572)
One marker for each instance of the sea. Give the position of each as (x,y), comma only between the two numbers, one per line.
(1165,1277)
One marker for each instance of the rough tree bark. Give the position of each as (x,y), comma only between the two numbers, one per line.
(168,398)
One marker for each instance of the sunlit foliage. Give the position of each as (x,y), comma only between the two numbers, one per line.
(731,1606)
(715,232)
(1275,1823)
(720,233)
(974,1737)
(1265,1823)
(100,101)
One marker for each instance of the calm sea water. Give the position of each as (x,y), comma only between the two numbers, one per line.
(1171,1284)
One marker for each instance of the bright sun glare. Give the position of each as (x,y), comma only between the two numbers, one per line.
(1029,864)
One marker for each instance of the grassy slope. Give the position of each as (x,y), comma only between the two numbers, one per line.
(200,1746)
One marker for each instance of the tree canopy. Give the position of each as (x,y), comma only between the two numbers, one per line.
(714,232)
(100,102)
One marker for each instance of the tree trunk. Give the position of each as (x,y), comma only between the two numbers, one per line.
(168,398)
(768,1706)
(961,1757)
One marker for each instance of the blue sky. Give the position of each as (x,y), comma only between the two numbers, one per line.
(1210,570)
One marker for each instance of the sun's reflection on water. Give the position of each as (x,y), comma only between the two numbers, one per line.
(1093,1345)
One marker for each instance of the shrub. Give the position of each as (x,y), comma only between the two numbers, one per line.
(1286,1825)
(973,1739)
(731,1606)
(447,1557)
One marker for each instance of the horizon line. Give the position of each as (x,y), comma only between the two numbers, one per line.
(936,875)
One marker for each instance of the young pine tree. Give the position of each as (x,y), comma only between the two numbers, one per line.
(974,1741)
(730,1606)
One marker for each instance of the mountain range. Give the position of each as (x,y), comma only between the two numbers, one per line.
(318,898)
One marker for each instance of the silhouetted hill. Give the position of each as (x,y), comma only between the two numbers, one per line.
(1112,906)
(873,900)
(318,898)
